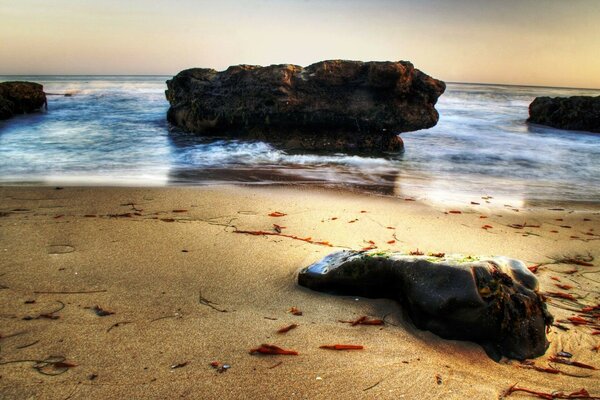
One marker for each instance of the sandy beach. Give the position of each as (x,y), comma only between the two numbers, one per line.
(182,289)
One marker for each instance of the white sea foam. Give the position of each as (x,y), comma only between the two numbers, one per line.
(113,130)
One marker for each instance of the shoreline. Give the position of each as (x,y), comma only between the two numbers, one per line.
(459,200)
(167,272)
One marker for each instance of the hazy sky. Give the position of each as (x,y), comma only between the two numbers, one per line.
(535,42)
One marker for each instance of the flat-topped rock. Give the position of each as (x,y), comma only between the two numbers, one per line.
(331,105)
(578,113)
(491,301)
(20,98)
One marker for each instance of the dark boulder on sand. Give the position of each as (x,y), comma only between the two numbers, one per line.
(578,113)
(331,105)
(20,98)
(490,301)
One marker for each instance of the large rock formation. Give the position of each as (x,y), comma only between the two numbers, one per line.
(578,113)
(330,105)
(491,301)
(20,98)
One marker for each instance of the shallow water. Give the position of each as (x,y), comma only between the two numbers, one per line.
(113,131)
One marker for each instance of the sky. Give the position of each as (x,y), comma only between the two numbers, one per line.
(523,42)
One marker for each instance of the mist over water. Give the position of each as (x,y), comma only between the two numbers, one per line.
(113,131)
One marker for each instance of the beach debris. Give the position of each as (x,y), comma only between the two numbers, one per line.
(438,379)
(12,335)
(560,295)
(278,228)
(454,212)
(364,320)
(416,252)
(219,367)
(266,233)
(51,366)
(566,361)
(534,268)
(47,315)
(577,320)
(275,365)
(391,241)
(205,302)
(56,249)
(70,292)
(167,219)
(486,227)
(483,295)
(122,215)
(277,214)
(179,365)
(529,364)
(295,311)
(271,349)
(132,205)
(563,286)
(179,211)
(353,220)
(176,314)
(580,394)
(101,312)
(372,386)
(287,328)
(24,346)
(341,347)
(438,255)
(564,354)
(577,259)
(118,324)
(371,245)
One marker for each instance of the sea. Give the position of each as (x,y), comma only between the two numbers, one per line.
(112,131)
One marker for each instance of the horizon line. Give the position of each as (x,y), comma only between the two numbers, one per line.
(166,75)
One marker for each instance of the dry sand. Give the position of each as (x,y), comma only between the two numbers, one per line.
(153,269)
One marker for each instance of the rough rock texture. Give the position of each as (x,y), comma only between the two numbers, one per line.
(330,105)
(579,113)
(493,302)
(20,98)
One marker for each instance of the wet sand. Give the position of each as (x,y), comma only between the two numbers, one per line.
(186,290)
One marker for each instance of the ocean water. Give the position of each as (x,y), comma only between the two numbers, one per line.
(112,130)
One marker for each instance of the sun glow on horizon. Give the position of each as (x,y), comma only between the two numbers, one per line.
(520,42)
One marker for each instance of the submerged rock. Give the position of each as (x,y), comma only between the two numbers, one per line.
(330,105)
(20,98)
(578,113)
(492,301)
